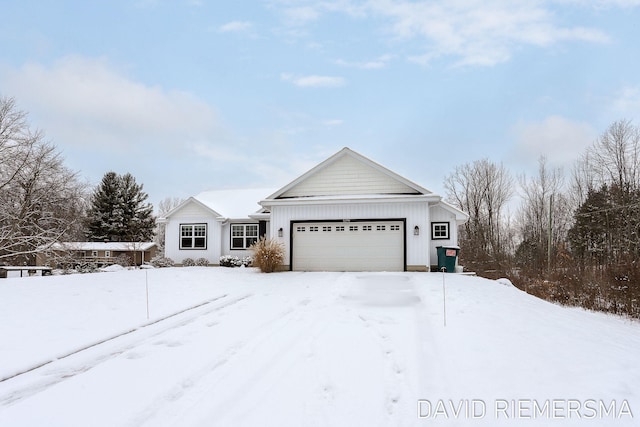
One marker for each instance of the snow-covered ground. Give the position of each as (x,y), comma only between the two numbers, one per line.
(233,347)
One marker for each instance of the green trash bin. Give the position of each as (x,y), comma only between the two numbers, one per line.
(447,258)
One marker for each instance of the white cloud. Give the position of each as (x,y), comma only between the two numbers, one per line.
(380,62)
(88,102)
(599,4)
(330,123)
(627,103)
(313,80)
(471,32)
(172,141)
(102,120)
(477,32)
(559,139)
(301,15)
(302,12)
(235,27)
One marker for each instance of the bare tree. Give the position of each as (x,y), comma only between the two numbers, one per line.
(615,156)
(41,200)
(482,189)
(164,207)
(168,204)
(544,216)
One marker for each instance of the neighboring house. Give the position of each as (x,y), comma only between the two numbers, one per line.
(99,253)
(346,214)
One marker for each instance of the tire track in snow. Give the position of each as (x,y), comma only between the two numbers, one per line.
(202,382)
(64,367)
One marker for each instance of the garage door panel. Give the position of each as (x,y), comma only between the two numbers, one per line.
(349,246)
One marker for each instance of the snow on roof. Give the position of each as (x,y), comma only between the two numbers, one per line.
(234,203)
(102,246)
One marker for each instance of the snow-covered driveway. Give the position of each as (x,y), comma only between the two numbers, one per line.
(297,349)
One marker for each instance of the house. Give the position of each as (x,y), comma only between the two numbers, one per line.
(346,214)
(99,253)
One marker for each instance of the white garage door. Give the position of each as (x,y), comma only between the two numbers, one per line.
(348,246)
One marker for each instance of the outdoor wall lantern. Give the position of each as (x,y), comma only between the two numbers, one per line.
(280,232)
(416,231)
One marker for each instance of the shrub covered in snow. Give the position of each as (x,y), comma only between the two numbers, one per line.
(228,261)
(202,262)
(123,260)
(268,254)
(188,262)
(160,261)
(234,261)
(112,267)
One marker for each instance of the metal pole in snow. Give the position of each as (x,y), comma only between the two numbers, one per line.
(444,298)
(146,282)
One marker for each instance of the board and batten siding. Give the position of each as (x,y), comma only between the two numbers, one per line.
(415,213)
(348,176)
(439,214)
(192,213)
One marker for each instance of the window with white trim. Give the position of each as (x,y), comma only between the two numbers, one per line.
(193,236)
(439,230)
(340,228)
(107,254)
(243,235)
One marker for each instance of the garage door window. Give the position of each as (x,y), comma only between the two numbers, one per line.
(243,235)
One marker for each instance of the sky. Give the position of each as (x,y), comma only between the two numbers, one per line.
(195,95)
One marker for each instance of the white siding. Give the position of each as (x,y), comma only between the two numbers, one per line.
(439,214)
(192,210)
(348,176)
(172,239)
(415,213)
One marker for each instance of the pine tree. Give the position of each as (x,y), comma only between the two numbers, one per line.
(119,211)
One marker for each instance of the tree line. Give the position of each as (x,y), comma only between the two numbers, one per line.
(43,202)
(574,239)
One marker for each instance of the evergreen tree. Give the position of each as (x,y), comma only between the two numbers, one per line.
(119,211)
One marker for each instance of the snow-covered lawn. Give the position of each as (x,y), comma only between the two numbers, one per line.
(306,349)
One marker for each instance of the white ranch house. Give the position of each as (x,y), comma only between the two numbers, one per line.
(346,214)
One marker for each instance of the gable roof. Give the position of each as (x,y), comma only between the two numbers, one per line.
(190,200)
(461,216)
(371,178)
